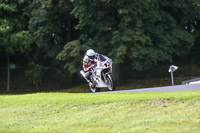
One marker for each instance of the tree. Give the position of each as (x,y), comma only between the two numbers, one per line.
(50,24)
(139,34)
(14,37)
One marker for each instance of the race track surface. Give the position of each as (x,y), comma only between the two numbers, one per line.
(189,87)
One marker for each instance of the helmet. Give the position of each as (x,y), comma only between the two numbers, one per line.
(91,54)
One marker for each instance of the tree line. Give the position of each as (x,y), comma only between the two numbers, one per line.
(53,35)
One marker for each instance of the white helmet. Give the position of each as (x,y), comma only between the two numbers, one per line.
(91,54)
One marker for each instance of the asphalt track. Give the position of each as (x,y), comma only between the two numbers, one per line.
(176,88)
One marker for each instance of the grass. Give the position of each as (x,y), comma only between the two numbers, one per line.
(67,112)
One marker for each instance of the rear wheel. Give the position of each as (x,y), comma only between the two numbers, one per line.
(110,82)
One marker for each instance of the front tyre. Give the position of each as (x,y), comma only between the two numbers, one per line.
(94,89)
(110,82)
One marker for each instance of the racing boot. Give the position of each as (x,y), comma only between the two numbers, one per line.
(90,81)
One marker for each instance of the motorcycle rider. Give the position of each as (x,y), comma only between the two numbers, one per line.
(89,63)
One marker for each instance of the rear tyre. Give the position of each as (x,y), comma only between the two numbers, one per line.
(110,82)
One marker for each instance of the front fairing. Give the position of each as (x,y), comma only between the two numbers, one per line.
(101,70)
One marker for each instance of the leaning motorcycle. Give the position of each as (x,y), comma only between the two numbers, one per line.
(101,75)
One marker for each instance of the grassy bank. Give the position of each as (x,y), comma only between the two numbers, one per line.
(66,112)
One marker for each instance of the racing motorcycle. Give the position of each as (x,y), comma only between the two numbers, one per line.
(101,76)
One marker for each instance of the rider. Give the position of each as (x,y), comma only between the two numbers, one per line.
(89,63)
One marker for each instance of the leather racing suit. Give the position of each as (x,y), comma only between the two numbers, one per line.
(88,64)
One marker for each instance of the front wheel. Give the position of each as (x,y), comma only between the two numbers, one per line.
(94,89)
(110,82)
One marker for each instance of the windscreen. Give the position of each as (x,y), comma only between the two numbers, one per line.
(101,58)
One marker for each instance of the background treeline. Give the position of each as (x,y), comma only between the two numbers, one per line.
(47,39)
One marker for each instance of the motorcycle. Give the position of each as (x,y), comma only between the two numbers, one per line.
(101,76)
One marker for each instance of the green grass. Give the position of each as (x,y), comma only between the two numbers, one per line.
(67,112)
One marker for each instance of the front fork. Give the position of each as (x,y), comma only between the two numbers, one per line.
(104,77)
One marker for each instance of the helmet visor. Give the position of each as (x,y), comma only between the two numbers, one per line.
(92,57)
